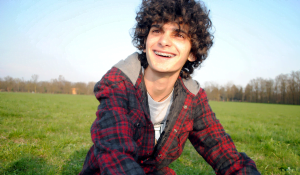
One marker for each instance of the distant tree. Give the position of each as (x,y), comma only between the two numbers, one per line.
(8,83)
(229,94)
(67,87)
(269,91)
(42,87)
(293,88)
(261,89)
(34,79)
(297,77)
(16,86)
(60,84)
(54,86)
(281,82)
(90,88)
(223,93)
(215,92)
(240,94)
(284,89)
(2,85)
(207,89)
(212,90)
(255,90)
(234,93)
(22,85)
(80,87)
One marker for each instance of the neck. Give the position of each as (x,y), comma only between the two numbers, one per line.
(159,85)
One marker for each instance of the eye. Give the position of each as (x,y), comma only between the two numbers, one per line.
(155,31)
(180,35)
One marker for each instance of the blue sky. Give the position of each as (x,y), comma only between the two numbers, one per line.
(82,40)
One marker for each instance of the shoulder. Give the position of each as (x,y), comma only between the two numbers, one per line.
(131,67)
(126,71)
(193,88)
(191,85)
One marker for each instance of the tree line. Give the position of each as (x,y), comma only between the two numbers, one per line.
(284,89)
(54,86)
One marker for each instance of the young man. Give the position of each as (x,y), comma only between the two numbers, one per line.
(149,104)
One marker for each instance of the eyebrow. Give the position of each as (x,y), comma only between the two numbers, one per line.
(156,25)
(176,30)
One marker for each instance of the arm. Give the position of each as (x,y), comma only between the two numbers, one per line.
(214,145)
(112,132)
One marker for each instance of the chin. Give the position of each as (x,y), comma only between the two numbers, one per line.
(165,70)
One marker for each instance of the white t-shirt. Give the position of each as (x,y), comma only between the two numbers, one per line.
(159,112)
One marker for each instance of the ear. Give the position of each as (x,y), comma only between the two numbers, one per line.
(191,57)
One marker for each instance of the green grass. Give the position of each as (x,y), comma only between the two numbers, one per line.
(49,134)
(268,133)
(44,133)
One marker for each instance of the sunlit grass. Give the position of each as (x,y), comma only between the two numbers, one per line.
(44,134)
(268,133)
(50,134)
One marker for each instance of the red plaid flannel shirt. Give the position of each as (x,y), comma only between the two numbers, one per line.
(123,134)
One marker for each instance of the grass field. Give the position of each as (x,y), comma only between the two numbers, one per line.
(49,134)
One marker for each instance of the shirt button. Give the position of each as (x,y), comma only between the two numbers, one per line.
(138,124)
(185,106)
(147,153)
(159,155)
(175,130)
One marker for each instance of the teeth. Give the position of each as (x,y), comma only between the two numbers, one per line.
(163,54)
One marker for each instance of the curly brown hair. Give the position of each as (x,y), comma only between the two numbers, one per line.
(189,12)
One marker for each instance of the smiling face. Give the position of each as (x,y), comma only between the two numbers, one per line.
(167,48)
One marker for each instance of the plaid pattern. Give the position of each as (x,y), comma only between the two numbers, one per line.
(123,134)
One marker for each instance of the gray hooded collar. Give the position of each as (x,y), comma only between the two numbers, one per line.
(131,67)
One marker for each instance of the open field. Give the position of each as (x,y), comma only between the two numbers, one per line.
(49,134)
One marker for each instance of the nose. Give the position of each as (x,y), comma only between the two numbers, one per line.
(165,40)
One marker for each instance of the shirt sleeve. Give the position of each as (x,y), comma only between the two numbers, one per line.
(214,145)
(114,150)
